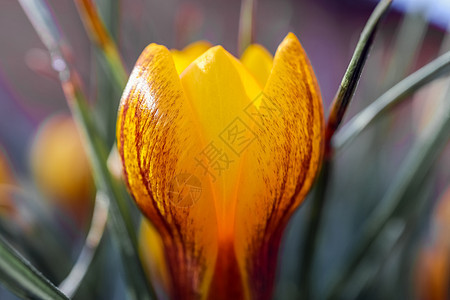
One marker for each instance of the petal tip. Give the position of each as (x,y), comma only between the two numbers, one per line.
(211,57)
(154,46)
(149,52)
(290,38)
(217,50)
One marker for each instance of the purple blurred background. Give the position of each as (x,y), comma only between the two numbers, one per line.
(328,30)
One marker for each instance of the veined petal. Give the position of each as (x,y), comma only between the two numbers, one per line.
(157,142)
(185,57)
(281,167)
(258,61)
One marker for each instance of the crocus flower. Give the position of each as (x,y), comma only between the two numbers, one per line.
(7,178)
(218,155)
(60,166)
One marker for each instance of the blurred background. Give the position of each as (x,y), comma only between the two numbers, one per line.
(39,144)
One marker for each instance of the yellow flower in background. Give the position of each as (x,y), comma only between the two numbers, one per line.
(6,174)
(60,167)
(7,178)
(433,262)
(218,155)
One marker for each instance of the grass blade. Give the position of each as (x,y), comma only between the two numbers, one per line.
(389,99)
(108,92)
(123,225)
(411,174)
(100,216)
(354,69)
(338,108)
(22,278)
(100,36)
(407,45)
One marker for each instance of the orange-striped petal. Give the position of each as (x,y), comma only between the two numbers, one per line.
(280,168)
(258,61)
(158,140)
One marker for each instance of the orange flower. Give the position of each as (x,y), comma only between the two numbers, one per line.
(433,262)
(218,156)
(7,179)
(60,166)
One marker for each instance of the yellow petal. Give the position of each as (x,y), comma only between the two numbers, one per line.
(258,61)
(184,57)
(282,165)
(157,142)
(219,88)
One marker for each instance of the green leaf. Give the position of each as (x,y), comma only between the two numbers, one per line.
(101,37)
(108,90)
(339,106)
(412,173)
(73,281)
(390,99)
(352,75)
(408,40)
(22,278)
(122,220)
